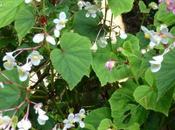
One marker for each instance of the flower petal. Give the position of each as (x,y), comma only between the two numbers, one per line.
(38,38)
(56,33)
(62,15)
(50,39)
(28,1)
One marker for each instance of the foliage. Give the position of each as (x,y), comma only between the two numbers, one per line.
(66,64)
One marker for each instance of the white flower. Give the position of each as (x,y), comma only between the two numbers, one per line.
(24,124)
(42,117)
(61,21)
(37,107)
(81,4)
(1,85)
(79,117)
(29,1)
(102,42)
(10,61)
(123,35)
(91,10)
(56,33)
(156,63)
(38,38)
(110,64)
(4,121)
(94,47)
(23,71)
(69,122)
(157,37)
(35,58)
(154,37)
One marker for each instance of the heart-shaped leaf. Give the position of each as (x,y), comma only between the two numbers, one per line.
(73,60)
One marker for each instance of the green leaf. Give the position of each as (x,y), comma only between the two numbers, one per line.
(125,111)
(164,16)
(143,8)
(131,50)
(13,91)
(105,124)
(106,76)
(24,21)
(8,11)
(120,6)
(135,126)
(149,77)
(165,78)
(86,26)
(73,60)
(147,97)
(96,116)
(131,46)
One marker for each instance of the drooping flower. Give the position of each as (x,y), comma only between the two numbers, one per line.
(110,64)
(35,58)
(1,85)
(29,1)
(4,121)
(23,71)
(38,107)
(153,5)
(60,23)
(42,117)
(94,47)
(69,122)
(56,127)
(38,38)
(102,42)
(91,10)
(24,124)
(123,35)
(81,4)
(156,63)
(79,118)
(9,61)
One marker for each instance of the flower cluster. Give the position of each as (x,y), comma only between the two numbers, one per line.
(91,9)
(74,118)
(6,123)
(60,24)
(170,5)
(34,58)
(161,36)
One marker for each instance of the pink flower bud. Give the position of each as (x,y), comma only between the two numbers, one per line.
(110,64)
